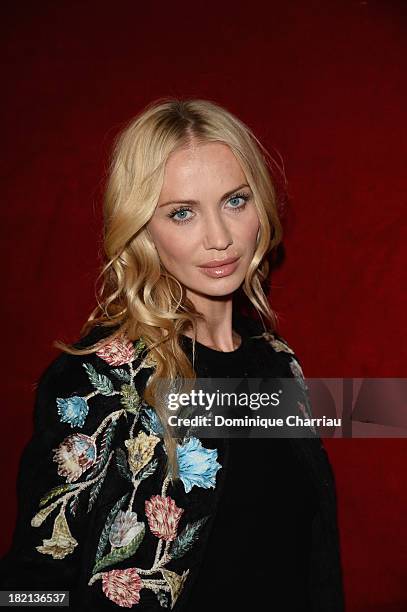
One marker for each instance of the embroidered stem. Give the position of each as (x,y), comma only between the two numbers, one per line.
(137,370)
(81,486)
(110,417)
(136,484)
(165,486)
(95,577)
(158,563)
(157,553)
(156,585)
(135,420)
(87,397)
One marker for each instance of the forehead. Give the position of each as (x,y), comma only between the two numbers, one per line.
(202,165)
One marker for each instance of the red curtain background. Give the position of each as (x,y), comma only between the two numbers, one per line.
(324,83)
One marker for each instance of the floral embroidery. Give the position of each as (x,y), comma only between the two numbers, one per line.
(122,586)
(304,406)
(176,582)
(74,456)
(296,369)
(302,409)
(83,460)
(61,542)
(141,450)
(279,344)
(124,528)
(117,352)
(197,465)
(163,517)
(152,422)
(73,410)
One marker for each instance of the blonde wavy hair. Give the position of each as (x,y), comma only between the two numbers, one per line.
(138,297)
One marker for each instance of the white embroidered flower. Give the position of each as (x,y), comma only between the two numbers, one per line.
(124,529)
(61,542)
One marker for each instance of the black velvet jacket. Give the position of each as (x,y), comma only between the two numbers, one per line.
(97,517)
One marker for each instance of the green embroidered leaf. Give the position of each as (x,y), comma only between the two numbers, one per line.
(187,538)
(102,383)
(122,465)
(94,492)
(104,537)
(162,598)
(103,452)
(119,554)
(146,423)
(148,470)
(139,346)
(54,492)
(73,505)
(121,374)
(130,398)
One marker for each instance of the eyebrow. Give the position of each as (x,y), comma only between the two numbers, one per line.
(225,195)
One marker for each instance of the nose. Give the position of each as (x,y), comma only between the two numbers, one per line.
(217,234)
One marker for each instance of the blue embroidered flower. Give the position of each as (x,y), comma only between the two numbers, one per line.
(152,423)
(197,465)
(73,410)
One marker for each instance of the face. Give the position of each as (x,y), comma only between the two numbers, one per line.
(205,224)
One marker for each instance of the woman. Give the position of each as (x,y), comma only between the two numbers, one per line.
(112,507)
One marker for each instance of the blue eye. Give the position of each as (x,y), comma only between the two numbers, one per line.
(239,196)
(178,215)
(180,211)
(235,198)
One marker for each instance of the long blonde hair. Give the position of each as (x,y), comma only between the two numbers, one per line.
(137,295)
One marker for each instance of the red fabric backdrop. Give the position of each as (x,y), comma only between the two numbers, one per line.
(322,82)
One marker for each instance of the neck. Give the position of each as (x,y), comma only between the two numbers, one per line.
(215,331)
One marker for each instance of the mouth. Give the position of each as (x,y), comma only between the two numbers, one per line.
(219,269)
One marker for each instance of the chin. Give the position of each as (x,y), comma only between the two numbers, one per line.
(216,287)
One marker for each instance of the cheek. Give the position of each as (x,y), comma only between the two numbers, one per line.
(249,229)
(172,250)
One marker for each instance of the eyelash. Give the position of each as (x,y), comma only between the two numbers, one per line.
(238,209)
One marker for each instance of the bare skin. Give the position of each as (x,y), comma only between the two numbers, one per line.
(210,226)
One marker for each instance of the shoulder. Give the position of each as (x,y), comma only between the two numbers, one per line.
(109,441)
(69,364)
(71,383)
(275,344)
(280,346)
(68,368)
(254,329)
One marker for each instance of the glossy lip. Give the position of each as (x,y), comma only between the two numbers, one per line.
(219,271)
(219,263)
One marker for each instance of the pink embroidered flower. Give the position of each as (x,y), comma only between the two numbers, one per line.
(122,586)
(163,517)
(118,351)
(74,456)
